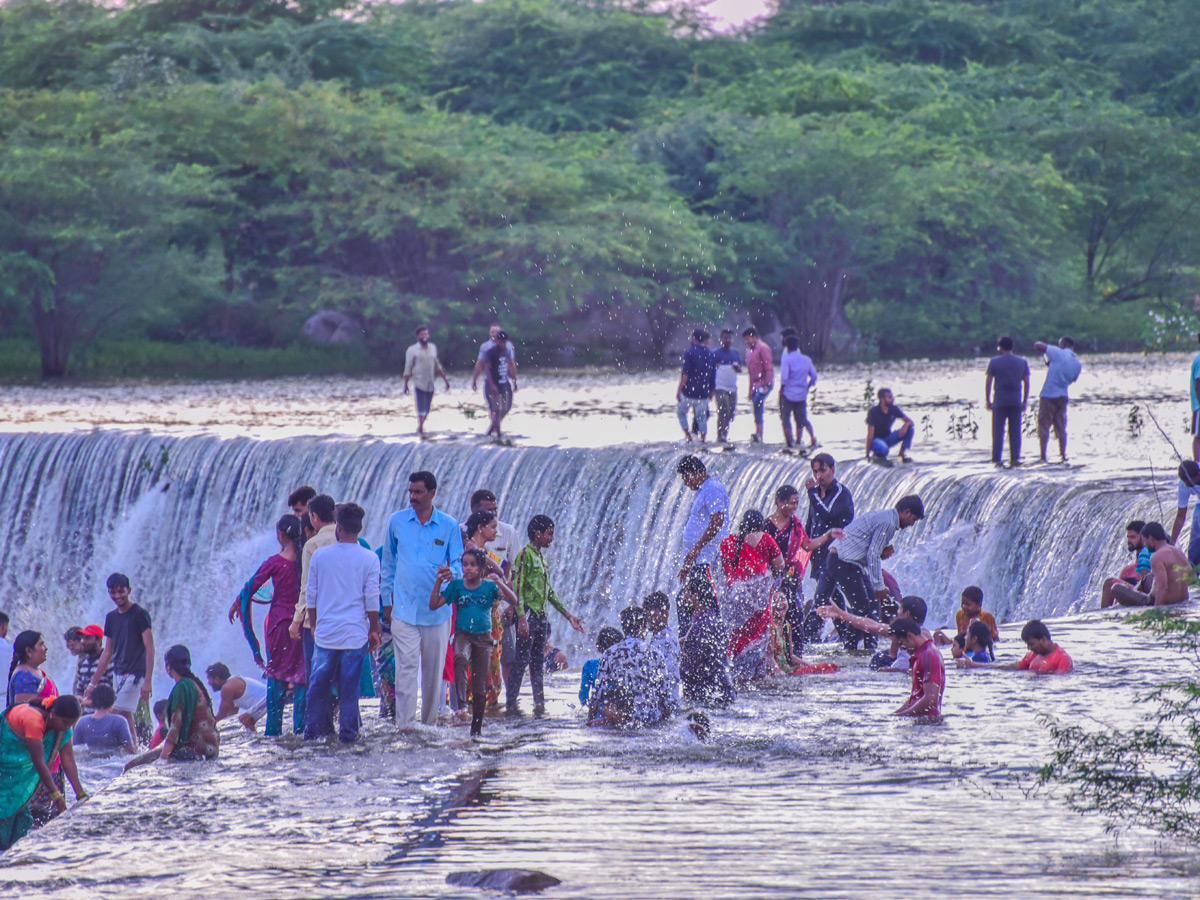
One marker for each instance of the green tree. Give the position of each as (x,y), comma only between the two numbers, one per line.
(1149,775)
(86,213)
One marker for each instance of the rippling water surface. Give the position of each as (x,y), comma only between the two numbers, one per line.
(807,788)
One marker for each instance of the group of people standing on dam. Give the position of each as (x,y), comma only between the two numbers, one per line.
(711,375)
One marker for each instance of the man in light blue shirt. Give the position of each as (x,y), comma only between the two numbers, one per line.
(702,535)
(1063,368)
(419,540)
(1189,489)
(797,376)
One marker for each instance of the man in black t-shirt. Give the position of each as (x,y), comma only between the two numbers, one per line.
(129,649)
(830,505)
(1009,374)
(880,437)
(500,373)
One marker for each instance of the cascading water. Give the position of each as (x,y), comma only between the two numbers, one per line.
(189,519)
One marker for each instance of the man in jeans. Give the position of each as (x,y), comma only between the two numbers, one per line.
(854,566)
(419,540)
(1009,374)
(762,377)
(1063,368)
(343,612)
(728,364)
(880,437)
(696,385)
(797,377)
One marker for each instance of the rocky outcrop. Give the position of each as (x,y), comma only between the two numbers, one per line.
(518,881)
(332,327)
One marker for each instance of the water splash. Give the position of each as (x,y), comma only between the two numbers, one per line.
(190,529)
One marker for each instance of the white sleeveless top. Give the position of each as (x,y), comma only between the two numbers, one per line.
(255,694)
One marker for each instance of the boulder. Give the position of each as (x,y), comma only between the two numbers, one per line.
(518,881)
(332,327)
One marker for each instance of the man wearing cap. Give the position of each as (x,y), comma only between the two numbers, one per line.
(697,384)
(928,673)
(86,644)
(854,567)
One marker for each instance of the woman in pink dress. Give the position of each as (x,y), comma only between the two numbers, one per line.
(285,655)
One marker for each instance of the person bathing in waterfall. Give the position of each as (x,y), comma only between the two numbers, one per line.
(894,659)
(1135,573)
(1044,657)
(752,561)
(191,724)
(284,667)
(976,644)
(928,673)
(970,610)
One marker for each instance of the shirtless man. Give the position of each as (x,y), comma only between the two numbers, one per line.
(1169,569)
(1136,571)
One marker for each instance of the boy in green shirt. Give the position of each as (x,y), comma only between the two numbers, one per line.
(531,581)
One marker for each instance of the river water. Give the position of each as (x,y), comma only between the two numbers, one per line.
(807,788)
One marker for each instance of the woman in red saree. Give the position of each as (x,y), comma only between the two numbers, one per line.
(752,562)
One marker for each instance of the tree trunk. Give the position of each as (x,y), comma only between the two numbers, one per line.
(811,302)
(54,344)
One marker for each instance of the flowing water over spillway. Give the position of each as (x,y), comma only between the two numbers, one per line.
(807,789)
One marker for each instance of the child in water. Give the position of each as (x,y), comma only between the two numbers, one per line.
(160,714)
(607,638)
(971,610)
(976,644)
(473,598)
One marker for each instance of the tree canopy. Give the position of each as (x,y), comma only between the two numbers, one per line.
(887,176)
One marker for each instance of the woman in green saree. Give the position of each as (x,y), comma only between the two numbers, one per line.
(32,736)
(191,725)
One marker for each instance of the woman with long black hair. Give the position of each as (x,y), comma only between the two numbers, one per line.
(284,665)
(191,733)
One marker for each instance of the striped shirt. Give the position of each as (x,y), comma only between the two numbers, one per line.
(864,539)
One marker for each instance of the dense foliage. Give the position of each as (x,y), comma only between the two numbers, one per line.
(1149,775)
(895,176)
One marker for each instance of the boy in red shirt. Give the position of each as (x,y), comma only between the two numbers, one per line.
(1044,657)
(928,673)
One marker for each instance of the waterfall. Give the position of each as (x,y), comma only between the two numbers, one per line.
(190,518)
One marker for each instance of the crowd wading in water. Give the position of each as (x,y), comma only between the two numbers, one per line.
(444,620)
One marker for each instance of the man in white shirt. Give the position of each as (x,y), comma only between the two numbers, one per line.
(245,698)
(320,514)
(421,364)
(343,612)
